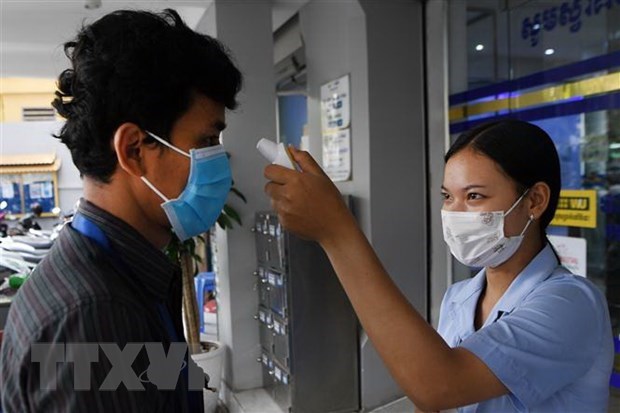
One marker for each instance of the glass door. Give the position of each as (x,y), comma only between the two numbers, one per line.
(555,64)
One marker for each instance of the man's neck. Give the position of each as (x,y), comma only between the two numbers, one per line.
(121,203)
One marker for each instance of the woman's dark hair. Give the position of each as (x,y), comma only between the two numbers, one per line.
(140,67)
(523,151)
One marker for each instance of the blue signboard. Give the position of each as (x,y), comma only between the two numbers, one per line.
(9,193)
(39,189)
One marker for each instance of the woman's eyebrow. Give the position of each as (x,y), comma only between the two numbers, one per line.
(467,188)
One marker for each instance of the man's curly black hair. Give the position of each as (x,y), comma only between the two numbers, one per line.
(140,67)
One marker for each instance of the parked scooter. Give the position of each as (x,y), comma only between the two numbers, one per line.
(28,222)
(26,241)
(23,246)
(26,244)
(31,249)
(4,227)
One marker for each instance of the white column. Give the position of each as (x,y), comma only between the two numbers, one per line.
(245,29)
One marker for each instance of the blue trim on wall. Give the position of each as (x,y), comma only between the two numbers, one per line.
(593,104)
(558,74)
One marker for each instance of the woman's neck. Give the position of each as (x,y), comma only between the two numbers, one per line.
(499,278)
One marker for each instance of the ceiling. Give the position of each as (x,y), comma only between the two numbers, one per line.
(32,31)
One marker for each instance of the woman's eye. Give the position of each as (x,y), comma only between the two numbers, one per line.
(474,195)
(445,196)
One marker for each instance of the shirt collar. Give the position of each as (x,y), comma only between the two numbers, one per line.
(463,308)
(151,266)
(537,271)
(464,303)
(473,286)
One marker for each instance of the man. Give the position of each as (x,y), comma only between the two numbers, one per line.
(145,103)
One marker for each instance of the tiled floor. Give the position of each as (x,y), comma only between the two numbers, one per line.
(258,401)
(399,406)
(252,401)
(403,405)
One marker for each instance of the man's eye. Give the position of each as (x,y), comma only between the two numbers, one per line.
(207,142)
(215,141)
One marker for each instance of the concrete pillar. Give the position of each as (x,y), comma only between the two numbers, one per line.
(245,28)
(380,45)
(438,131)
(396,95)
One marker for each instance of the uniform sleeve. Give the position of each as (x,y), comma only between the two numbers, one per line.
(549,341)
(26,389)
(444,324)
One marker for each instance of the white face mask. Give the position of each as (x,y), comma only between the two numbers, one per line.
(477,238)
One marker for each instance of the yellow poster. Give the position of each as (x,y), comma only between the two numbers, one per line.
(576,208)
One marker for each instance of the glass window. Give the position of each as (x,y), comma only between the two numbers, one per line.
(555,64)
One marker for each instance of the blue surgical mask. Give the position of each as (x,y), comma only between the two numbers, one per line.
(199,205)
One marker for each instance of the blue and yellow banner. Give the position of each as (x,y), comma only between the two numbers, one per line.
(576,208)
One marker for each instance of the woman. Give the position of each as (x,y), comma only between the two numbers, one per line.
(522,335)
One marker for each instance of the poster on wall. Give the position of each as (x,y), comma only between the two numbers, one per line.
(572,252)
(336,128)
(337,155)
(335,104)
(9,193)
(39,188)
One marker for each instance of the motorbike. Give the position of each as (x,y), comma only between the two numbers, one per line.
(23,246)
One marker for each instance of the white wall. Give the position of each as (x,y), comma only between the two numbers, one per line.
(246,29)
(380,45)
(335,43)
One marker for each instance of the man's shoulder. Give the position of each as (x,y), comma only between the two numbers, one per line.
(50,315)
(72,277)
(72,270)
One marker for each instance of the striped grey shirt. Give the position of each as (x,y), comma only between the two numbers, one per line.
(80,293)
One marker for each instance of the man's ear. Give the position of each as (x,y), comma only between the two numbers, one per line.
(129,148)
(539,195)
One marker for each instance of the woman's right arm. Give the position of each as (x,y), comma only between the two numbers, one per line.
(432,374)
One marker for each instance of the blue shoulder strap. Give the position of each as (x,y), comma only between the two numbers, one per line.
(91,230)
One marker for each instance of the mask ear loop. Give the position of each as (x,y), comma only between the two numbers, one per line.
(517,202)
(174,148)
(529,221)
(157,191)
(168,144)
